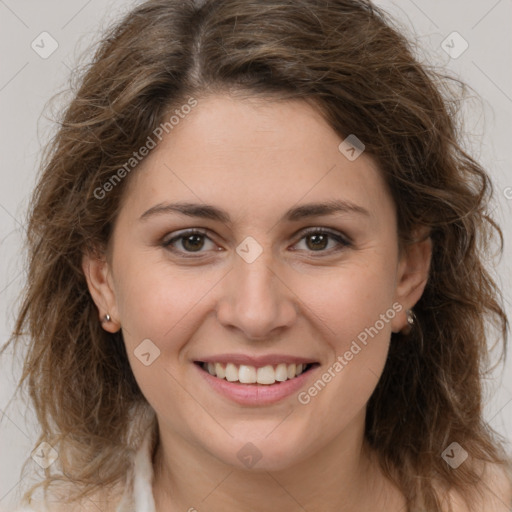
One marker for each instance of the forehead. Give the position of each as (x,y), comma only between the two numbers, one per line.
(249,155)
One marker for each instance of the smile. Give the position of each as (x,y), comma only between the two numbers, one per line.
(246,374)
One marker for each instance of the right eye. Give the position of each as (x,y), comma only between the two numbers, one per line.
(189,241)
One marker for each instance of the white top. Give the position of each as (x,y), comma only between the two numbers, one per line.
(138,497)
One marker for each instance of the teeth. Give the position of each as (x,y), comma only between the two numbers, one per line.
(246,374)
(266,375)
(281,372)
(231,372)
(220,371)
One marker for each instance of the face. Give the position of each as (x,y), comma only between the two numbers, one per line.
(256,276)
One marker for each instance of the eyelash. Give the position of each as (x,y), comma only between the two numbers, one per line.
(343,241)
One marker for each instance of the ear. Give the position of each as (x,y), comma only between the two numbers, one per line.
(412,274)
(99,281)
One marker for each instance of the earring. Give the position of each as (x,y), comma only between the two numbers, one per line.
(411,317)
(106,318)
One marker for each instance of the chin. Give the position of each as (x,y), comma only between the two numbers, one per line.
(254,453)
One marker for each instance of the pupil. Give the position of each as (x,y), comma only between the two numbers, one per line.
(318,238)
(193,242)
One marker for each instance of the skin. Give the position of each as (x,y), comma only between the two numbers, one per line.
(256,159)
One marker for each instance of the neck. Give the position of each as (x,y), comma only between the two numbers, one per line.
(342,476)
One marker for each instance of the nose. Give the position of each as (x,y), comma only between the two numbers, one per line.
(256,299)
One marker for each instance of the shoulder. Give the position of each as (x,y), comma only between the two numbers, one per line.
(495,492)
(102,500)
(59,507)
(23,509)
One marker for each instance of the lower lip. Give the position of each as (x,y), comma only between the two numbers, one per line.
(256,394)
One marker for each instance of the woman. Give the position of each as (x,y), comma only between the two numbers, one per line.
(257,274)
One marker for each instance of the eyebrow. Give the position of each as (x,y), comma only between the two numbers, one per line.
(297,213)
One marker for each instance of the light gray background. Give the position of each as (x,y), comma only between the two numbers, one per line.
(28,81)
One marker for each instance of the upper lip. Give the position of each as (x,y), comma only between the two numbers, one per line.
(256,361)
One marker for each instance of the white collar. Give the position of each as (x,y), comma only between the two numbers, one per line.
(138,496)
(138,491)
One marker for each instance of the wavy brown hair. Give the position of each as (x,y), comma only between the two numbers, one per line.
(348,59)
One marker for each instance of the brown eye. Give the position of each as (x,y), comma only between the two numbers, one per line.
(192,241)
(318,240)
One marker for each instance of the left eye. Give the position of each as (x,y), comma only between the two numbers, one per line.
(316,240)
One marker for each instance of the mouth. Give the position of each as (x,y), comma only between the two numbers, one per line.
(267,375)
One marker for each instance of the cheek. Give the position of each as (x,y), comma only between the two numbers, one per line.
(160,303)
(353,309)
(157,300)
(350,299)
